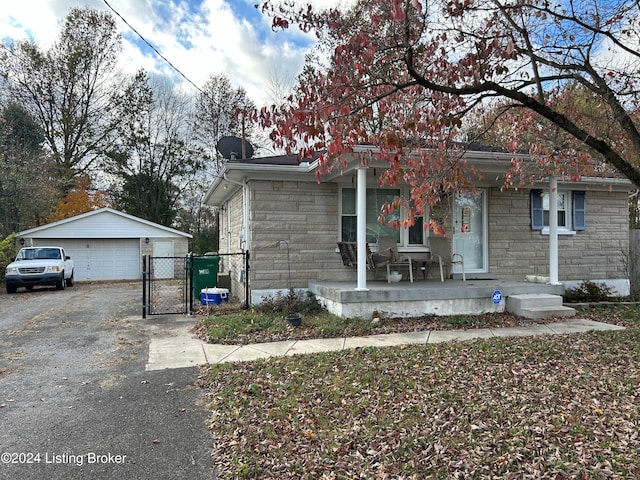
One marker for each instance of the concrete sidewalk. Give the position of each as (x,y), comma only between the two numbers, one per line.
(183,350)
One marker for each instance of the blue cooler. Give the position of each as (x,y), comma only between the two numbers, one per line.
(214,296)
(224,294)
(209,297)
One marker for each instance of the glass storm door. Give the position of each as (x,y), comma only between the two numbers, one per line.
(470,231)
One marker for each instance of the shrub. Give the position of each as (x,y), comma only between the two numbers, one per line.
(588,291)
(7,253)
(291,302)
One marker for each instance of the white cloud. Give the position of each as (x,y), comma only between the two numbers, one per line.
(199,37)
(18,22)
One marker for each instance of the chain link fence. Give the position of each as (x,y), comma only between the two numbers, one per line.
(165,282)
(172,285)
(232,275)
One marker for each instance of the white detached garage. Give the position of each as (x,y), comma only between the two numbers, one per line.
(107,244)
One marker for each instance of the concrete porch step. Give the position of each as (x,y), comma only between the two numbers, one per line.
(536,313)
(538,305)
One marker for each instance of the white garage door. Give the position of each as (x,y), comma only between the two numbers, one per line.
(109,259)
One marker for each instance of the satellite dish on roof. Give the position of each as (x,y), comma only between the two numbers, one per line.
(231,148)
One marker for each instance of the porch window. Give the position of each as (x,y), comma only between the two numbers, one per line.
(416,232)
(348,226)
(376,198)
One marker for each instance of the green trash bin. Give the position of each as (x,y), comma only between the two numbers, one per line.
(205,273)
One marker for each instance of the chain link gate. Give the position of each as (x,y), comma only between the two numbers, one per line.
(165,284)
(169,283)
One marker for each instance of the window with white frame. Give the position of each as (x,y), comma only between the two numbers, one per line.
(571,210)
(376,198)
(564,214)
(416,231)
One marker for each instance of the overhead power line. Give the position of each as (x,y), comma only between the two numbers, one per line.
(153,47)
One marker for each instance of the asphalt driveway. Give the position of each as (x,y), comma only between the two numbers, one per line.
(75,399)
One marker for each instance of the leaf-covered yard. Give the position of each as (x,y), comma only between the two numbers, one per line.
(534,407)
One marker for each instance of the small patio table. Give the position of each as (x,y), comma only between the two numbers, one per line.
(421,261)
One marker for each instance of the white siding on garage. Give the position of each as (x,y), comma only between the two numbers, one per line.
(106,244)
(103,223)
(102,259)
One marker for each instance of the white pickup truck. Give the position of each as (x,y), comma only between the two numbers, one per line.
(39,266)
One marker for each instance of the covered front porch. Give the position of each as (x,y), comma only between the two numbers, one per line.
(425,297)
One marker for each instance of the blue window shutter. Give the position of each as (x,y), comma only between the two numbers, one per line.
(579,210)
(536,210)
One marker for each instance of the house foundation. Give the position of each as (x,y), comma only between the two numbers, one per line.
(404,299)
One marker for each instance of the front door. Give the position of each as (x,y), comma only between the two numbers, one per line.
(470,231)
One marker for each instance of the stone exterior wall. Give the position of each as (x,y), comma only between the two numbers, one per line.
(231,267)
(598,252)
(229,232)
(304,214)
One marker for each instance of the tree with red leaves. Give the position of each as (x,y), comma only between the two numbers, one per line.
(403,75)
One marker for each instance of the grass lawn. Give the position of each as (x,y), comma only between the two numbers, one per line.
(552,407)
(231,325)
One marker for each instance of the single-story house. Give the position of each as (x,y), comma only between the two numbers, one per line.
(291,223)
(107,244)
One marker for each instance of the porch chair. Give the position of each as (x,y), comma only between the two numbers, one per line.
(388,248)
(349,255)
(441,254)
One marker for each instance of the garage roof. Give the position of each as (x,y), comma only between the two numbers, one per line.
(103,223)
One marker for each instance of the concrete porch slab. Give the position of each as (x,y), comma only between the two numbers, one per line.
(405,299)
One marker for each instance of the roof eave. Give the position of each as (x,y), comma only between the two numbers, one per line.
(26,233)
(232,174)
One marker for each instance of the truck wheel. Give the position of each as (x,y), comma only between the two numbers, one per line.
(70,281)
(60,284)
(11,288)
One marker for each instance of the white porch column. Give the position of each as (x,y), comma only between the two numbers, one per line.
(553,230)
(361,227)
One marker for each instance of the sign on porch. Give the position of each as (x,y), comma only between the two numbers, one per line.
(496,297)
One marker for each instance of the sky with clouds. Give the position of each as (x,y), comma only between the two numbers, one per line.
(199,37)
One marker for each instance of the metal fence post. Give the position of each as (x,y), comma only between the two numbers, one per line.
(190,283)
(144,286)
(246,280)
